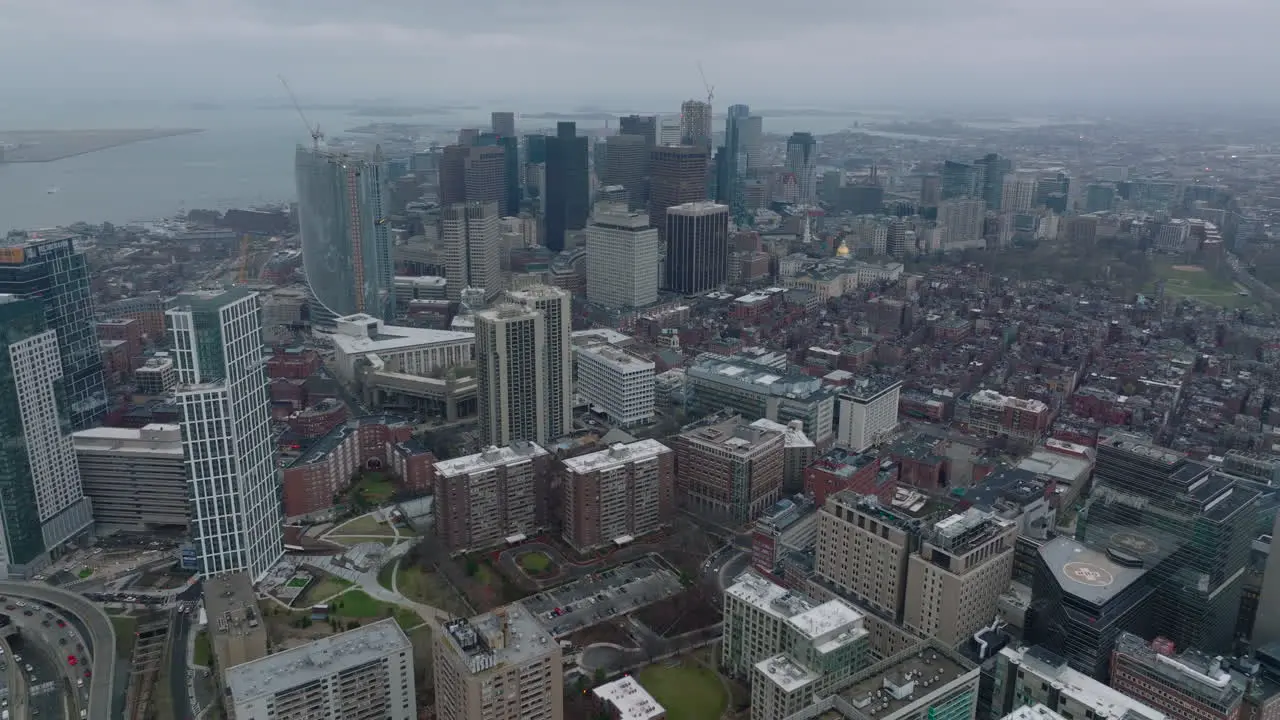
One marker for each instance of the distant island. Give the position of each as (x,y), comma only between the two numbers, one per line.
(35,146)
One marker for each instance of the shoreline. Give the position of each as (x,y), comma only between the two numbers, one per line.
(44,146)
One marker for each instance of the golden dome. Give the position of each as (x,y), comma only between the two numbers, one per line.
(843,250)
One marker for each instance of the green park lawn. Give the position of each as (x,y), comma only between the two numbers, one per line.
(688,692)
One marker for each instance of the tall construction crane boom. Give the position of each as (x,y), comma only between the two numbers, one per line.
(316,135)
(711,89)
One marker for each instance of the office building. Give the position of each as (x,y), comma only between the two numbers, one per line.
(930,190)
(695,124)
(646,126)
(1082,600)
(987,412)
(135,477)
(1189,684)
(503,124)
(613,496)
(763,620)
(511,375)
(476,174)
(729,469)
(1266,628)
(622,258)
(800,451)
(802,163)
(555,305)
(925,681)
(568,185)
(669,130)
(482,499)
(960,180)
(346,243)
(626,699)
(751,139)
(226,432)
(1030,676)
(697,240)
(863,548)
(1185,525)
(1019,192)
(1099,197)
(44,505)
(52,271)
(361,674)
(868,411)
(626,164)
(501,665)
(994,168)
(677,175)
(470,232)
(755,391)
(789,527)
(615,383)
(361,342)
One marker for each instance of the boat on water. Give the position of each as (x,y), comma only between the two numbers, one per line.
(52,190)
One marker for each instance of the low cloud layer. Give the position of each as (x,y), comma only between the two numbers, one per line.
(828,52)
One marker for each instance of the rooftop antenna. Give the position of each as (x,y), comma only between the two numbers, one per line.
(711,89)
(316,135)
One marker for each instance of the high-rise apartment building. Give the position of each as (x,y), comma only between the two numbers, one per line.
(622,258)
(863,548)
(501,665)
(361,674)
(1028,676)
(626,163)
(136,477)
(556,308)
(503,124)
(1187,526)
(346,242)
(730,469)
(568,185)
(236,522)
(868,411)
(677,175)
(695,124)
(497,493)
(1189,684)
(617,494)
(615,383)
(471,236)
(646,126)
(511,375)
(697,240)
(960,221)
(802,162)
(43,504)
(51,270)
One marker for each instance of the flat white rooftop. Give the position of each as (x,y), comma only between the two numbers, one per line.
(830,625)
(769,597)
(629,699)
(786,673)
(616,456)
(616,358)
(608,335)
(358,334)
(795,435)
(315,660)
(490,458)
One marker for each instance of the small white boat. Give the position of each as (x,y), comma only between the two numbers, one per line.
(52,190)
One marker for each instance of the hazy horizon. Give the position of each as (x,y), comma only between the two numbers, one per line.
(1000,56)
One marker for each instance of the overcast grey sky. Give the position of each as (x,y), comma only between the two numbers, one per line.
(820,52)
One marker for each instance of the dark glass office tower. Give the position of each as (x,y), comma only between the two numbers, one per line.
(993,168)
(54,272)
(568,184)
(644,125)
(1191,529)
(697,247)
(959,180)
(731,164)
(535,149)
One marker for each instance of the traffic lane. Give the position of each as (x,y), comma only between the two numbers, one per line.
(100,637)
(14,687)
(62,641)
(46,696)
(178,667)
(732,568)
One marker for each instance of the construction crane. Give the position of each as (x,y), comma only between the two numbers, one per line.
(711,89)
(316,135)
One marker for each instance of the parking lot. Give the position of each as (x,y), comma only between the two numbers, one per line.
(599,596)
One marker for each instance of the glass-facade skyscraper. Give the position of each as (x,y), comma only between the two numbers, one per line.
(42,503)
(236,522)
(54,272)
(568,184)
(346,244)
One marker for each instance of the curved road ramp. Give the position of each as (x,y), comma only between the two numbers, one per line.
(101,637)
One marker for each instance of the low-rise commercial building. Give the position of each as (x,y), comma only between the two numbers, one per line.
(1190,684)
(1026,676)
(412,351)
(626,699)
(361,674)
(987,412)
